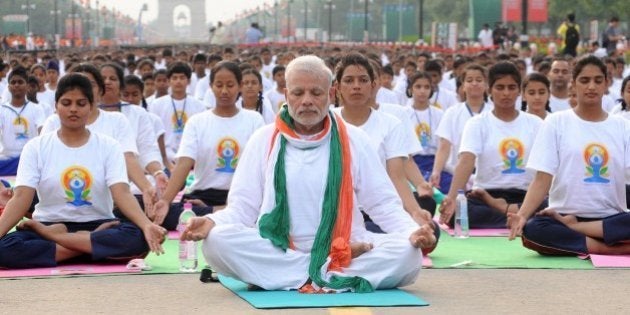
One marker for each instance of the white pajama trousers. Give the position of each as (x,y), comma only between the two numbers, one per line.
(241,253)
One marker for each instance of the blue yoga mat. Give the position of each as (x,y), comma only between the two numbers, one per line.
(294,299)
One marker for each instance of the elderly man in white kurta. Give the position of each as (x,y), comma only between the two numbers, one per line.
(292,219)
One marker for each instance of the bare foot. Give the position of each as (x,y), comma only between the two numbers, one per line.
(567,219)
(107,225)
(360,248)
(46,231)
(499,204)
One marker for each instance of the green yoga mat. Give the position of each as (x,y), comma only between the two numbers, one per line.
(169,261)
(294,299)
(497,252)
(471,253)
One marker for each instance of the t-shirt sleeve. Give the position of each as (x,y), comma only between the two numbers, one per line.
(444,129)
(158,126)
(124,135)
(396,142)
(115,168)
(28,173)
(39,117)
(544,155)
(188,145)
(472,138)
(51,124)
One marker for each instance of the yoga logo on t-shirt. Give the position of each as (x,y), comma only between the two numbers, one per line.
(596,159)
(512,152)
(20,126)
(77,182)
(423,132)
(227,155)
(179,121)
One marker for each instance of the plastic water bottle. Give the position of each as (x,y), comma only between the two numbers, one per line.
(187,249)
(461,215)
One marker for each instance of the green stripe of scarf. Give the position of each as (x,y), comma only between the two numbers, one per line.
(275,225)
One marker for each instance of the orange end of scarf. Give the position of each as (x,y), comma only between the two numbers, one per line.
(340,254)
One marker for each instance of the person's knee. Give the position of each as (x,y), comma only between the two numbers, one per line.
(403,253)
(534,229)
(218,241)
(123,240)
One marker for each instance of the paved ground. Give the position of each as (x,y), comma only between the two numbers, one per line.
(479,291)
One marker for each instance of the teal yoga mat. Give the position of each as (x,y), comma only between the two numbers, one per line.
(294,299)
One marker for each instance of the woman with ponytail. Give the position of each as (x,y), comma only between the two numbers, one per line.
(252,95)
(536,92)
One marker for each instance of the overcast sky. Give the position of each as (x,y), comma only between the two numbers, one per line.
(216,10)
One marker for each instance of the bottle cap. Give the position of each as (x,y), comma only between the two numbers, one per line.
(187,205)
(460,191)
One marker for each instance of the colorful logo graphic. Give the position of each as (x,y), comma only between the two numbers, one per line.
(20,125)
(423,132)
(512,152)
(227,155)
(77,181)
(596,159)
(179,121)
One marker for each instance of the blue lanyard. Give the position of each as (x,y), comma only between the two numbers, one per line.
(18,114)
(179,119)
(470,110)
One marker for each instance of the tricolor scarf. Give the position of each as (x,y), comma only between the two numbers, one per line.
(333,234)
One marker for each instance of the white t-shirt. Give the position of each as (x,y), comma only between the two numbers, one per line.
(209,100)
(425,123)
(386,133)
(18,125)
(267,70)
(485,38)
(387,96)
(501,149)
(276,99)
(112,124)
(404,114)
(47,109)
(158,126)
(201,87)
(48,98)
(72,183)
(146,140)
(608,102)
(268,114)
(451,128)
(174,115)
(558,104)
(216,144)
(191,89)
(588,162)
